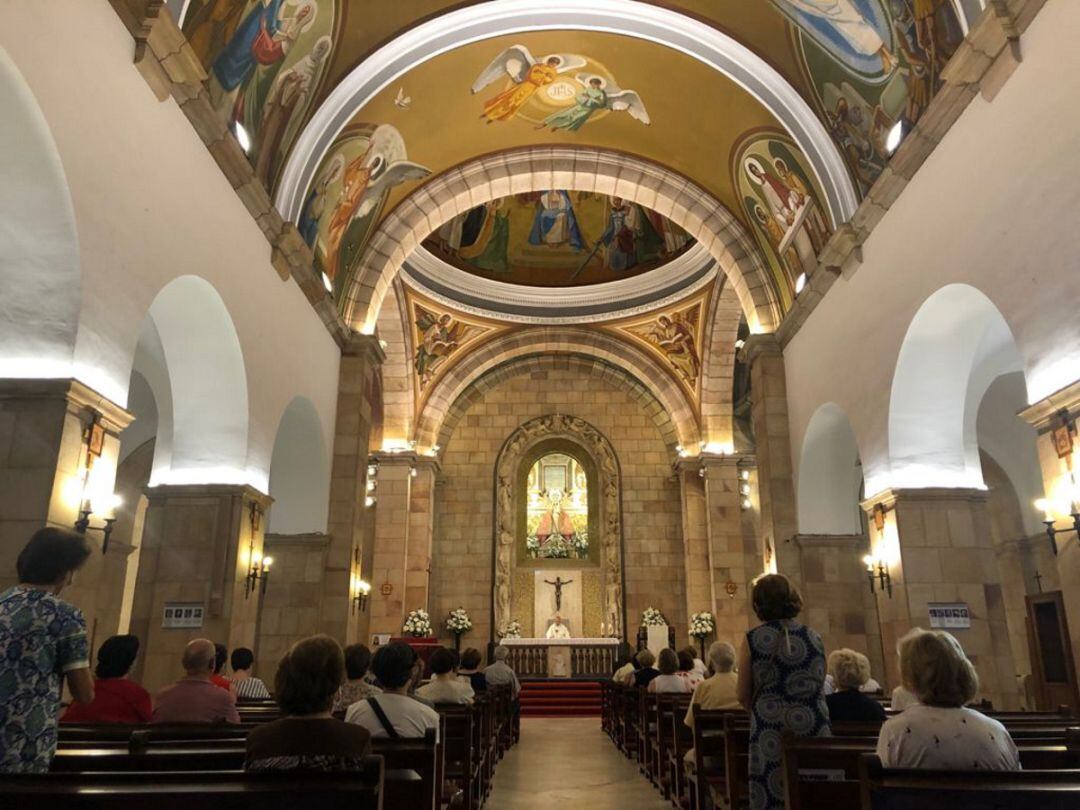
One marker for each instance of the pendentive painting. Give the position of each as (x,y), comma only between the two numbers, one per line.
(558,238)
(265,60)
(872,64)
(782,202)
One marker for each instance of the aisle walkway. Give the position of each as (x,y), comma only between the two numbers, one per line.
(568,762)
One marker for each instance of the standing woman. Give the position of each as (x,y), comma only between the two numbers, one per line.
(781,674)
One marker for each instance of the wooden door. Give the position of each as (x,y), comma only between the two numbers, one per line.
(1053,670)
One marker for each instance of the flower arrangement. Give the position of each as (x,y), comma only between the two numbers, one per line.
(558,548)
(458,622)
(651,617)
(702,625)
(418,624)
(512,629)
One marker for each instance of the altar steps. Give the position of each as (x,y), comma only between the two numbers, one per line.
(560,699)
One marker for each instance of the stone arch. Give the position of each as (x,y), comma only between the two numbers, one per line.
(829,475)
(538,168)
(195,368)
(397,369)
(599,450)
(718,371)
(299,472)
(39,260)
(958,343)
(593,367)
(560,341)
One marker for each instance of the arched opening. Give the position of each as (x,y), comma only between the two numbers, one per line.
(559,507)
(829,476)
(39,250)
(957,345)
(299,472)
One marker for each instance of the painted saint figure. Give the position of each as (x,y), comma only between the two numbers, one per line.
(315,204)
(619,237)
(555,224)
(850,24)
(596,95)
(676,340)
(527,74)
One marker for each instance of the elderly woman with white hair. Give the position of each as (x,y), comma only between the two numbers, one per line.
(719,690)
(939,732)
(850,671)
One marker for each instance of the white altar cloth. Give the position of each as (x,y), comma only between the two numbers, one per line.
(561,642)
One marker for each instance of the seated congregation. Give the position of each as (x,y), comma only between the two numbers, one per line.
(779,723)
(409,740)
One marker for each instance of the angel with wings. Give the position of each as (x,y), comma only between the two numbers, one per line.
(598,94)
(527,74)
(439,336)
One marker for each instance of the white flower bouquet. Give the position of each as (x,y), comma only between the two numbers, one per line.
(512,629)
(702,625)
(417,624)
(458,622)
(651,617)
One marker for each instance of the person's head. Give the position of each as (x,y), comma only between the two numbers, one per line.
(199,658)
(686,660)
(393,665)
(595,82)
(501,654)
(309,676)
(221,654)
(357,661)
(721,656)
(116,656)
(668,661)
(441,661)
(850,670)
(241,659)
(554,61)
(558,619)
(646,658)
(471,658)
(51,557)
(934,668)
(775,598)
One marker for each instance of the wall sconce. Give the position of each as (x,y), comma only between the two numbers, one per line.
(1044,506)
(86,509)
(258,575)
(744,490)
(361,591)
(882,575)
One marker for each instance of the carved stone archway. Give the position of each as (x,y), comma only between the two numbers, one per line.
(593,443)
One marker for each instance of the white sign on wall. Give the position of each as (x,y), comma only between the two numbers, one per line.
(183,615)
(949,615)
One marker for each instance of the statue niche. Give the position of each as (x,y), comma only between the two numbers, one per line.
(558,513)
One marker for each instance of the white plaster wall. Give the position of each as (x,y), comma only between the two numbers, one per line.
(150,205)
(994,207)
(830,476)
(300,473)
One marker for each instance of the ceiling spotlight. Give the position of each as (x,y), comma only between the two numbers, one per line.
(745,475)
(800,283)
(242,136)
(326,282)
(739,344)
(892,140)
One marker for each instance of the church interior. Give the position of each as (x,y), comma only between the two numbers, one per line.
(550,329)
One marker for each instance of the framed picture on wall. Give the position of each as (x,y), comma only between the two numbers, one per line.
(97,438)
(380,639)
(1063,439)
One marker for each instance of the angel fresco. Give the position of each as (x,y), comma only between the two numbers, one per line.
(528,75)
(438,336)
(597,94)
(674,336)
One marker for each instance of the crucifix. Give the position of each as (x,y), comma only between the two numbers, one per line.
(1038,580)
(558,583)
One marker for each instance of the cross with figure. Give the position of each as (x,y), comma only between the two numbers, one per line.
(558,583)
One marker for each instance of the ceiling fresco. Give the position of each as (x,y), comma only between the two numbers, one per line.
(558,238)
(865,66)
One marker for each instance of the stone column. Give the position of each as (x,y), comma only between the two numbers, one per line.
(733,543)
(290,607)
(937,546)
(361,360)
(1059,456)
(47,469)
(697,553)
(421,534)
(775,487)
(391,551)
(199,542)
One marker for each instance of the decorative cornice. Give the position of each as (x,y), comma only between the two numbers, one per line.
(890,498)
(162,493)
(759,345)
(77,394)
(850,542)
(1041,415)
(367,347)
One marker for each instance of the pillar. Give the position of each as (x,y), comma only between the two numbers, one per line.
(937,546)
(198,546)
(361,360)
(421,533)
(47,470)
(772,439)
(697,554)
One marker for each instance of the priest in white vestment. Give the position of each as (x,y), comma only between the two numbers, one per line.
(558,629)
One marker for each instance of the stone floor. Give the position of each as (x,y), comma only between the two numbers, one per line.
(567,763)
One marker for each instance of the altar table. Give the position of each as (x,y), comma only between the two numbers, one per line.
(562,657)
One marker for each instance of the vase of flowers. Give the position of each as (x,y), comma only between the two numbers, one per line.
(417,624)
(458,623)
(651,617)
(702,625)
(512,629)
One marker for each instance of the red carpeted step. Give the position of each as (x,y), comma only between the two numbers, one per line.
(560,698)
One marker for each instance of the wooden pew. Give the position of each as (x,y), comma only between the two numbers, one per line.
(737,758)
(221,755)
(631,721)
(682,740)
(882,789)
(420,756)
(706,775)
(647,725)
(461,748)
(182,791)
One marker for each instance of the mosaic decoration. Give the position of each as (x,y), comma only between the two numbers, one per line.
(676,335)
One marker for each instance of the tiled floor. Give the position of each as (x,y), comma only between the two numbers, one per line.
(568,763)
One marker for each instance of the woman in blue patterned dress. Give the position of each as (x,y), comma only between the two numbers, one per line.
(781,674)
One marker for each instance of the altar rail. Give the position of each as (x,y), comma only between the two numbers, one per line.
(589,658)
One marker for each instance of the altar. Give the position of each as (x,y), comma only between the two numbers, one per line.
(562,658)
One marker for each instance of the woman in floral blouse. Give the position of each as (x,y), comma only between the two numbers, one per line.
(355,689)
